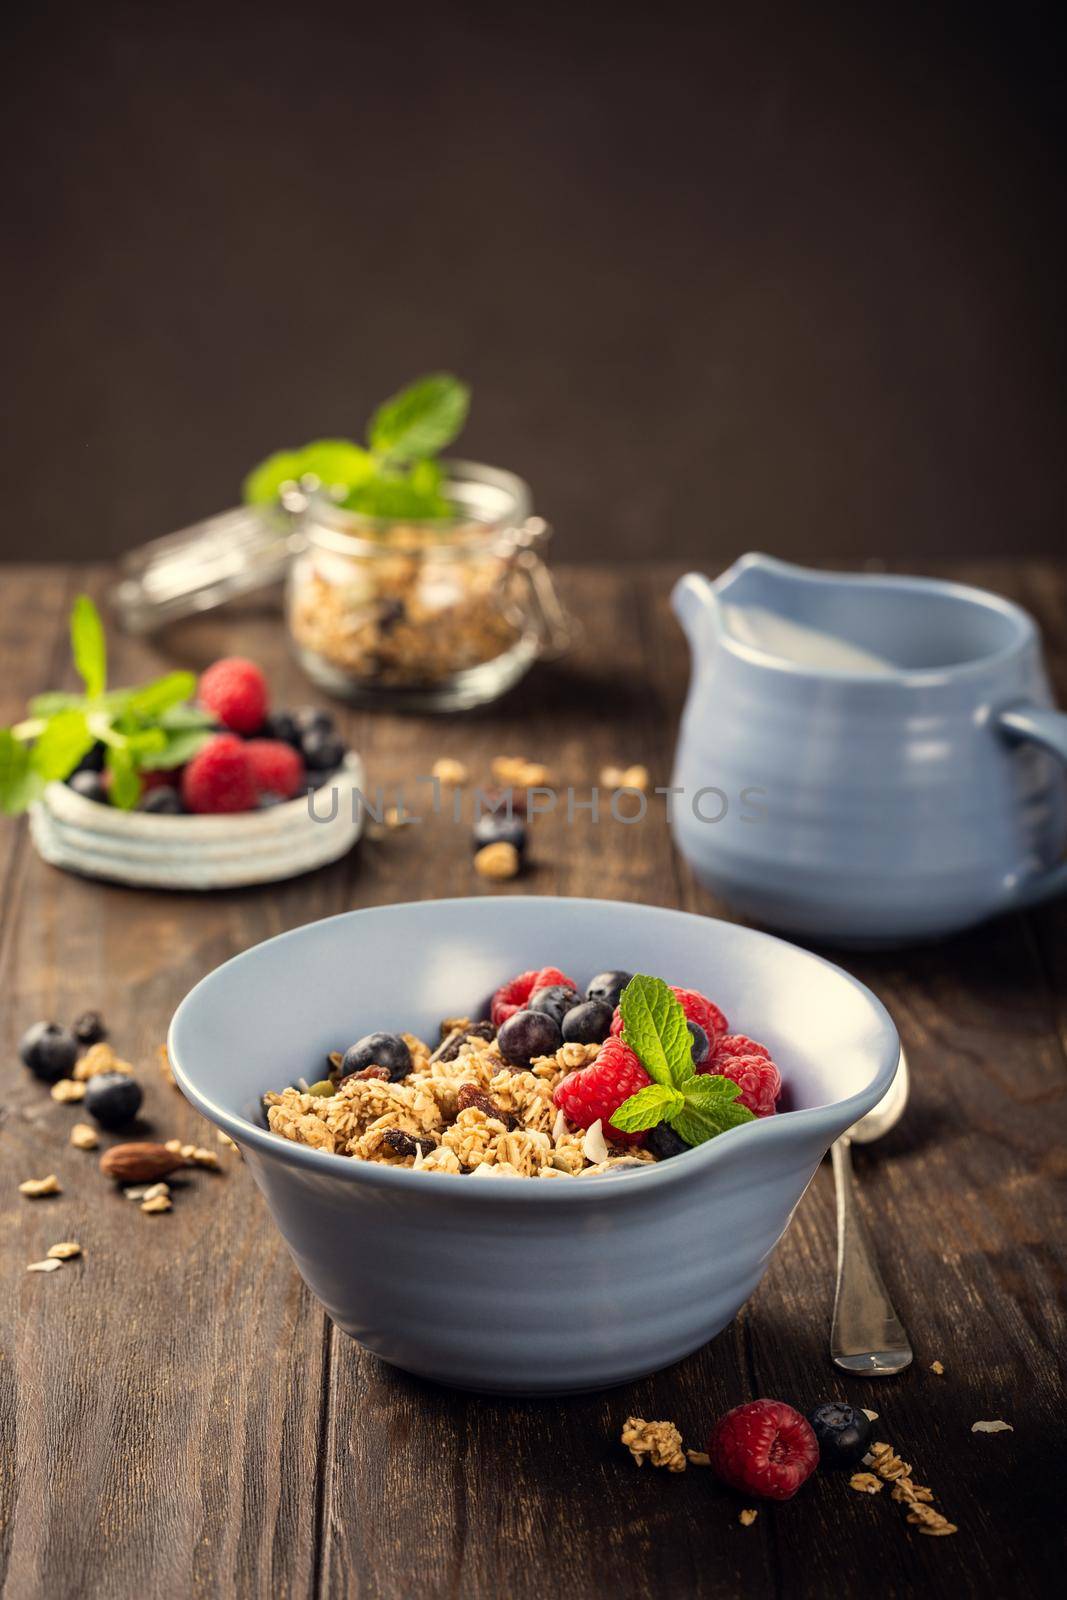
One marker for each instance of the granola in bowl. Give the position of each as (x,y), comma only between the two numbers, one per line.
(552,1084)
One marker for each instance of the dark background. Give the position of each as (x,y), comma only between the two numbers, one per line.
(739,277)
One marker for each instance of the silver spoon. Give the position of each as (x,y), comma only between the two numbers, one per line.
(866,1338)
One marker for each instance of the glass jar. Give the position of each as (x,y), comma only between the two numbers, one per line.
(437,615)
(429,616)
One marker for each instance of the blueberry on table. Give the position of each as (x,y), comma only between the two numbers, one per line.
(386,1050)
(608,986)
(527,1035)
(113,1099)
(90,785)
(664,1142)
(588,1022)
(89,1028)
(322,750)
(842,1431)
(162,802)
(700,1042)
(49,1051)
(555,1000)
(491,829)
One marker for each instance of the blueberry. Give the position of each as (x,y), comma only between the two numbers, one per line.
(323,751)
(700,1043)
(527,1035)
(90,785)
(555,1000)
(608,986)
(93,760)
(664,1142)
(589,1022)
(386,1050)
(282,725)
(162,802)
(113,1098)
(89,1028)
(842,1431)
(492,829)
(312,719)
(49,1051)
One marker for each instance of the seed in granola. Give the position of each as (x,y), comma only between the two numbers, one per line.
(324,1086)
(67,1090)
(497,861)
(403,1144)
(39,1188)
(83,1137)
(66,1250)
(48,1265)
(449,771)
(747,1517)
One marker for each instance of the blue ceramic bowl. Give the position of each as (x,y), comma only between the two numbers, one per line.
(527,1286)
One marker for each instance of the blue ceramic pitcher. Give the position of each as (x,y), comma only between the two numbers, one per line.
(866,759)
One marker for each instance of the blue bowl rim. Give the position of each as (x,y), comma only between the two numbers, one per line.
(781,1127)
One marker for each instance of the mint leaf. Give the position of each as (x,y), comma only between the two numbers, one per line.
(421,420)
(655,1028)
(18,785)
(153,699)
(264,483)
(710,1107)
(647,1107)
(125,790)
(88,646)
(179,718)
(180,748)
(337,463)
(59,747)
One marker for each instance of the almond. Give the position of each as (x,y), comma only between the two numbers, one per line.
(139,1163)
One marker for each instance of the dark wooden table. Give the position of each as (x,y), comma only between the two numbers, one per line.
(178,1417)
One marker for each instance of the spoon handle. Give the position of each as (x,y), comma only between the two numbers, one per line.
(866,1338)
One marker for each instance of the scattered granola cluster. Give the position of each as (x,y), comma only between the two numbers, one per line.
(887,1467)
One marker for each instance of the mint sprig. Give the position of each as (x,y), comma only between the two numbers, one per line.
(698,1106)
(143,728)
(395,477)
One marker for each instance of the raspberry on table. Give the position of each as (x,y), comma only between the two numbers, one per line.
(757,1077)
(697,1007)
(276,767)
(512,997)
(592,1093)
(236,691)
(219,777)
(764,1448)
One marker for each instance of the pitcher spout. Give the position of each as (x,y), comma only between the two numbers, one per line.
(696,605)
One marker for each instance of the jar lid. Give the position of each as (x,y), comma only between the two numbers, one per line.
(203,566)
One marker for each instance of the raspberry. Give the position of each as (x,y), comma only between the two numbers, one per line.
(276,767)
(219,777)
(733,1045)
(756,1076)
(512,997)
(597,1090)
(697,1007)
(764,1448)
(236,691)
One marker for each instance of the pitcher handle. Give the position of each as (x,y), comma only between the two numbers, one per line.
(1049,730)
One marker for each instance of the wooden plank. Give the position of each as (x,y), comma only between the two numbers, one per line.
(161,1398)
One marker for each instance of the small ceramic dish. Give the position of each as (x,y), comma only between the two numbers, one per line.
(224,852)
(520,1285)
